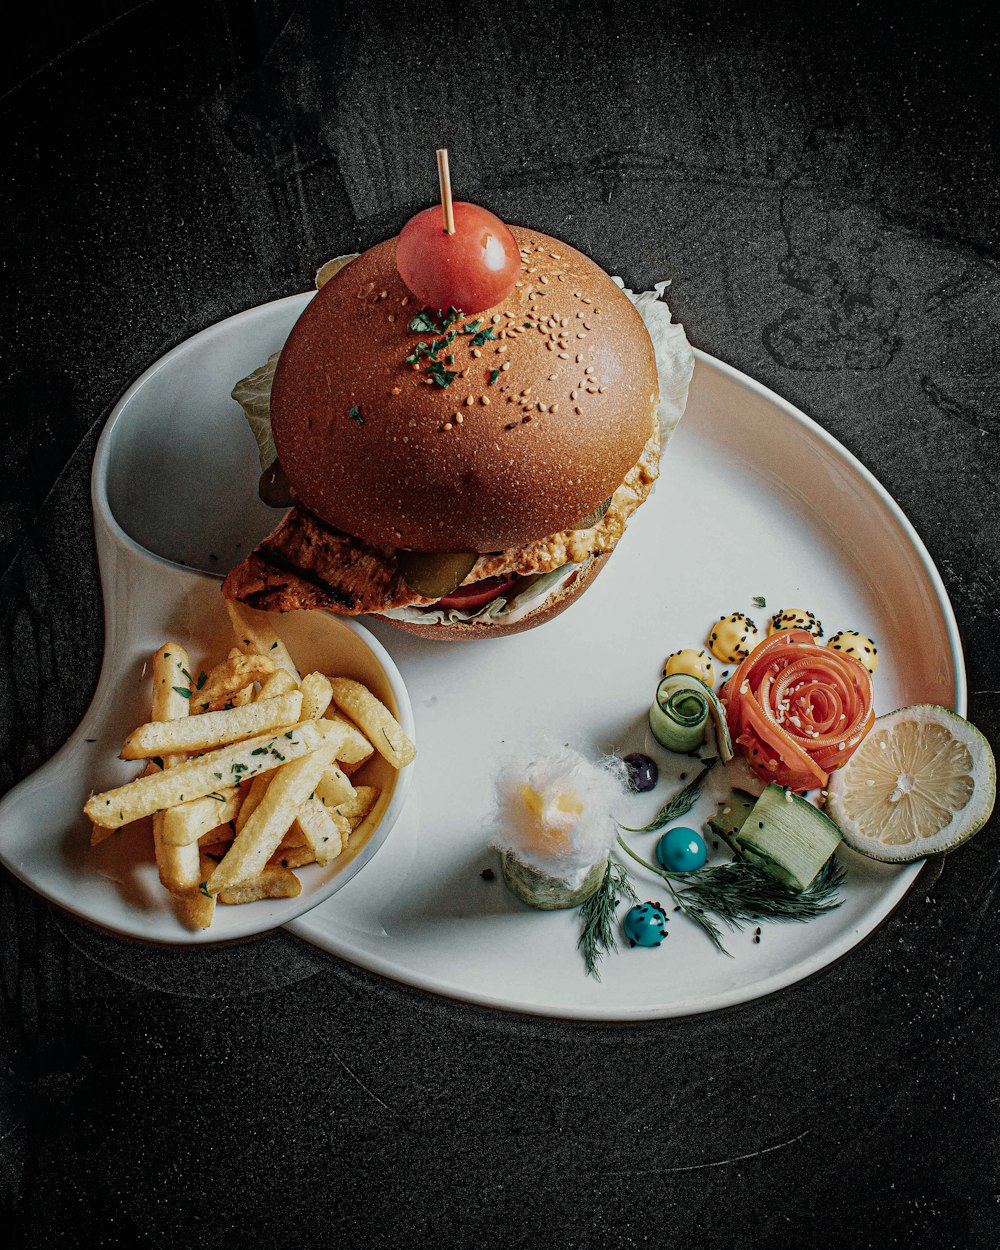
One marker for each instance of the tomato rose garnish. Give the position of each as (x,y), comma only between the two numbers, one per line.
(798,710)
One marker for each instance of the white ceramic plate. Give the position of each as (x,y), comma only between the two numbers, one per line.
(755,500)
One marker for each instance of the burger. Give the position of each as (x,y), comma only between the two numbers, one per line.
(464,475)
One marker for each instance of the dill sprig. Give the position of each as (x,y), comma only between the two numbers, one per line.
(680,804)
(598,913)
(739,893)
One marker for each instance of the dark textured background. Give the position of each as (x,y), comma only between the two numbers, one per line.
(823,192)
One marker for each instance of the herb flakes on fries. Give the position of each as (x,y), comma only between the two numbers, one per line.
(248,771)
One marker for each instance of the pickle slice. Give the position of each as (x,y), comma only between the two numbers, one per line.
(592,518)
(274,488)
(434,574)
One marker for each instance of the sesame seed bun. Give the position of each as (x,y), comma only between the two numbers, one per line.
(376,448)
(466,631)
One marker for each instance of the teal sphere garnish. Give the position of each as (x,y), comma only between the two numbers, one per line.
(681,850)
(645,924)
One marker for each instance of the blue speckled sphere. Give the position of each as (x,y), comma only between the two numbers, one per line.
(645,924)
(681,850)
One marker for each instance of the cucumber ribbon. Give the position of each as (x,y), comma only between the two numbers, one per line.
(678,715)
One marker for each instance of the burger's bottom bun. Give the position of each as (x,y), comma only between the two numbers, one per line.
(465,631)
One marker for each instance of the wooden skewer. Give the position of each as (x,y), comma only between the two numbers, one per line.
(444,178)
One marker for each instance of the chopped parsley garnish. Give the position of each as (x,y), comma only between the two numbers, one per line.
(219,775)
(471,327)
(494,374)
(181,691)
(529,325)
(203,886)
(290,735)
(759,601)
(423,322)
(256,751)
(483,337)
(202,678)
(440,344)
(355,415)
(441,375)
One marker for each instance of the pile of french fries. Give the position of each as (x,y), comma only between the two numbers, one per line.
(249,770)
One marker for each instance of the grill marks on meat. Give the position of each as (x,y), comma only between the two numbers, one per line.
(305,563)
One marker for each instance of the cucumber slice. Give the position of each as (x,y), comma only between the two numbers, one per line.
(728,820)
(680,711)
(545,892)
(788,837)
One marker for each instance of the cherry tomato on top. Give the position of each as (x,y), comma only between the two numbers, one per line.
(477,594)
(470,270)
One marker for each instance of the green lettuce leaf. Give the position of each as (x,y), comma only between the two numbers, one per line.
(253,394)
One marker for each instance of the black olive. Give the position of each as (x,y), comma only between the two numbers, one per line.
(274,488)
(642,771)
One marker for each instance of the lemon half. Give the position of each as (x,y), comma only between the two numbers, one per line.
(923,780)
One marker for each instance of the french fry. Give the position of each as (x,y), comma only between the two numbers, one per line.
(293,856)
(220,836)
(316,695)
(229,678)
(195,778)
(255,636)
(280,682)
(190,821)
(356,810)
(355,749)
(273,881)
(378,724)
(334,787)
(198,908)
(241,698)
(212,729)
(252,798)
(256,843)
(178,866)
(325,830)
(199,904)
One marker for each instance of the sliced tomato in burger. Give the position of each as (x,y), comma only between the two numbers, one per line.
(476,594)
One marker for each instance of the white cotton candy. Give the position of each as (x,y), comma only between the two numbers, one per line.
(554,811)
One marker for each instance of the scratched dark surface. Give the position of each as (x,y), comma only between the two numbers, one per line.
(823,194)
